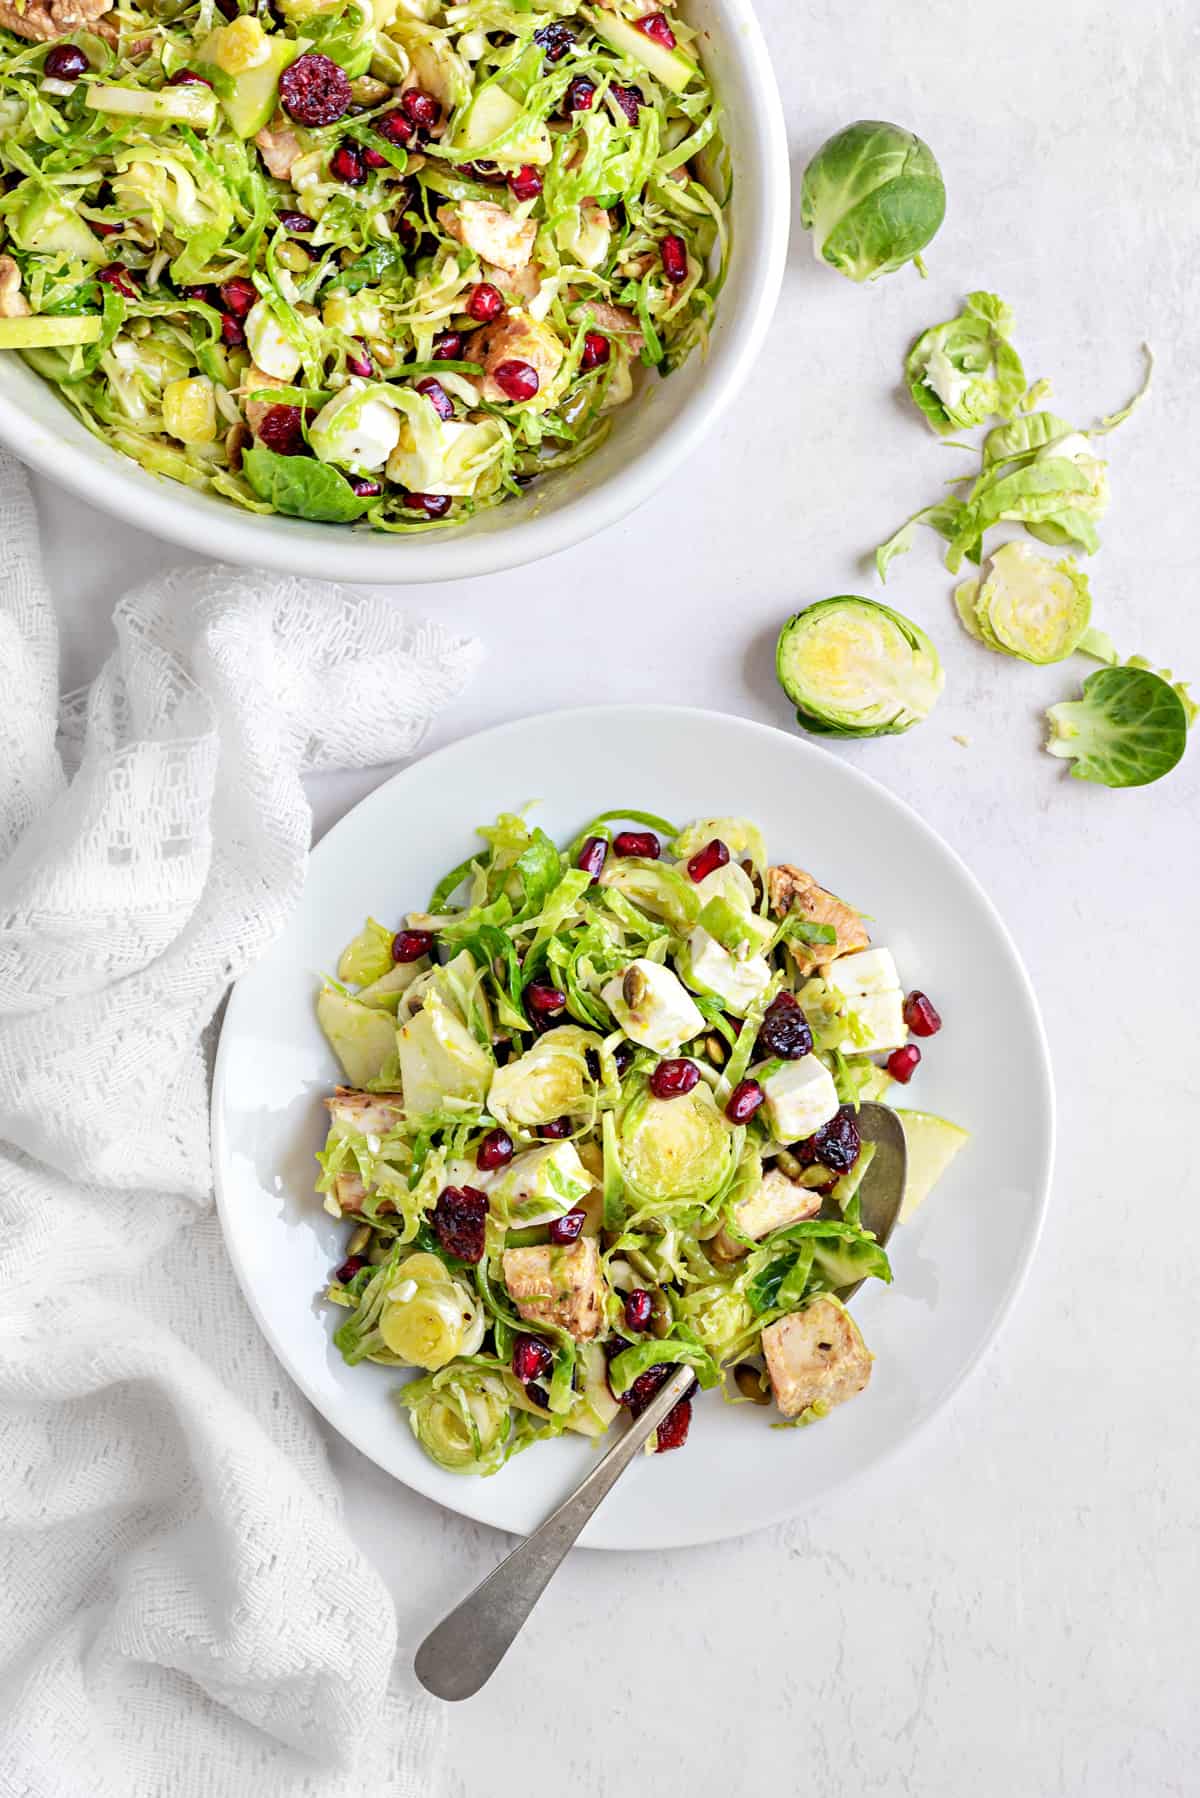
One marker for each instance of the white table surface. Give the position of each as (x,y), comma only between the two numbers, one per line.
(1009,1609)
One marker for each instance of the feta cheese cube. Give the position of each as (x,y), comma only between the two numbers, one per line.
(736,983)
(539,1185)
(870,971)
(801,1097)
(355,428)
(653,1007)
(878,1023)
(273,351)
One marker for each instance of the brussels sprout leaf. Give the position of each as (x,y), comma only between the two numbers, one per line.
(1128,729)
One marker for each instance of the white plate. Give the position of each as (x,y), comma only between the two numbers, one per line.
(958,1266)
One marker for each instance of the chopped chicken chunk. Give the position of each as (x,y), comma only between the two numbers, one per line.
(350,1194)
(256,410)
(45,20)
(617,321)
(817,1354)
(280,148)
(791,889)
(495,235)
(514,338)
(562,1286)
(372,1113)
(775,1201)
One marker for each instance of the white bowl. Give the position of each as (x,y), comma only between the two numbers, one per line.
(650,438)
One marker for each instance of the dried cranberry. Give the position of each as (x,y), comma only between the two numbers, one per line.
(65,62)
(629,99)
(447,346)
(314,90)
(672,1432)
(744,1101)
(207,294)
(421,108)
(296,221)
(116,275)
(579,95)
(673,251)
(642,843)
(531,1358)
(281,428)
(346,1272)
(674,1077)
(374,159)
(434,505)
(103,230)
(437,396)
(706,861)
(545,998)
(922,1015)
(567,1228)
(596,351)
(347,164)
(593,856)
(359,363)
(837,1144)
(187,78)
(238,295)
(902,1064)
(411,945)
(555,39)
(485,302)
(459,1221)
(233,332)
(364,488)
(655,27)
(538,1394)
(517,381)
(555,1130)
(622,1059)
(394,127)
(496,1150)
(526,184)
(638,1306)
(646,1385)
(784,1032)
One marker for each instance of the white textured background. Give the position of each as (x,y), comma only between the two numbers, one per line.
(1010,1610)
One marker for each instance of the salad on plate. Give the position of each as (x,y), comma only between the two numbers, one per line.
(598,1120)
(377,260)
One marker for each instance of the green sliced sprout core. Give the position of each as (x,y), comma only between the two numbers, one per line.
(873,198)
(855,668)
(1026,605)
(1129,728)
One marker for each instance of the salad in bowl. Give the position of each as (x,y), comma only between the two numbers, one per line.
(598,1120)
(385,261)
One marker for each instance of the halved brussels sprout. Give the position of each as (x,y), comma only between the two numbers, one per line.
(1028,606)
(855,668)
(362,1038)
(439,1058)
(551,1080)
(675,1151)
(873,198)
(429,1317)
(461,1416)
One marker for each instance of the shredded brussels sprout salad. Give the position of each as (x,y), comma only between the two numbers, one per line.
(386,260)
(599,1121)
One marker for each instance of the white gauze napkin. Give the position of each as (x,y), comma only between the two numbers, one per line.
(183,1612)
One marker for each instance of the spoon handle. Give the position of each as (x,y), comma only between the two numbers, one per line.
(464,1650)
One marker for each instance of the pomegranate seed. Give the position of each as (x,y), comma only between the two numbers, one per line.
(642,843)
(206,294)
(437,396)
(546,999)
(902,1064)
(434,505)
(596,351)
(237,296)
(555,39)
(593,856)
(654,26)
(187,78)
(531,1358)
(922,1015)
(673,251)
(374,159)
(784,1032)
(638,1306)
(296,221)
(672,1432)
(459,1222)
(359,363)
(485,302)
(232,331)
(118,276)
(394,127)
(347,164)
(566,1229)
(496,1150)
(281,428)
(363,488)
(65,62)
(411,945)
(517,381)
(526,184)
(744,1101)
(421,108)
(447,346)
(556,1129)
(315,90)
(629,99)
(103,230)
(346,1272)
(579,95)
(483,171)
(705,861)
(672,1078)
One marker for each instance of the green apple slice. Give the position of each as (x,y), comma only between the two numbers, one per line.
(932,1144)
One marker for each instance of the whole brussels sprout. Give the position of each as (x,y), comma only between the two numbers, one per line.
(873,198)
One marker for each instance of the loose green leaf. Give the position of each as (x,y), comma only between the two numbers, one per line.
(300,487)
(1128,729)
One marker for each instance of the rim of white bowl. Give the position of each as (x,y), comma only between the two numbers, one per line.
(167,510)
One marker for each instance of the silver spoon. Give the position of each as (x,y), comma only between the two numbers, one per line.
(463,1651)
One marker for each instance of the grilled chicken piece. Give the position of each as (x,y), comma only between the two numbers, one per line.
(279,147)
(616,321)
(562,1286)
(775,1201)
(372,1113)
(496,235)
(817,1353)
(515,337)
(791,889)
